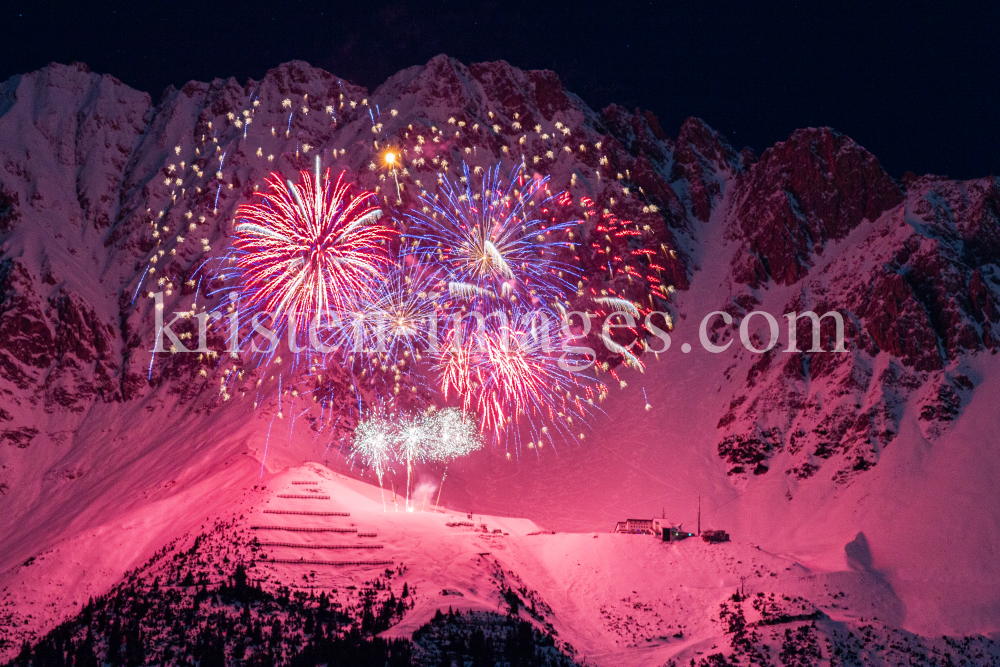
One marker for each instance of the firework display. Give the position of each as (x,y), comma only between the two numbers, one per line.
(493,243)
(505,281)
(394,319)
(483,250)
(307,252)
(483,262)
(439,275)
(435,435)
(373,444)
(511,370)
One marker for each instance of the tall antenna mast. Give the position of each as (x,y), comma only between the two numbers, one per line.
(699,514)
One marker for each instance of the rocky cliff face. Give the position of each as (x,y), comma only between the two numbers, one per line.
(904,281)
(803,193)
(105,198)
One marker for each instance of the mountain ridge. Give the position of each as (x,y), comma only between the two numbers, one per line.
(97,182)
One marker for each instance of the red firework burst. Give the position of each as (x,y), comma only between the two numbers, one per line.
(505,373)
(308,250)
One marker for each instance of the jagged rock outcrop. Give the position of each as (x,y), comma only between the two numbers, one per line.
(804,192)
(916,291)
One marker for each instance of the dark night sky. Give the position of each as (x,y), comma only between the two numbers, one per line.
(916,83)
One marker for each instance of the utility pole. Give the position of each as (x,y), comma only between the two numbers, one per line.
(699,515)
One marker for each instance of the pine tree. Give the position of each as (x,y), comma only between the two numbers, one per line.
(85,656)
(240,577)
(115,643)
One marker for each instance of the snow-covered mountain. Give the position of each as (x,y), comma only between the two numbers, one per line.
(108,454)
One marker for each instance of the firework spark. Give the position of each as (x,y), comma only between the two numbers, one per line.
(451,435)
(373,444)
(398,314)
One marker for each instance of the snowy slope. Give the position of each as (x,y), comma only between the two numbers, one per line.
(607,599)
